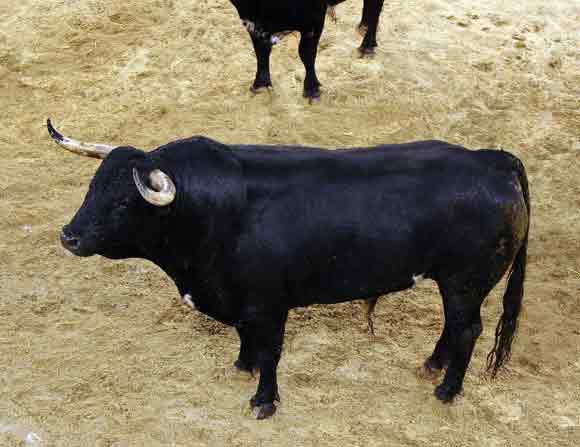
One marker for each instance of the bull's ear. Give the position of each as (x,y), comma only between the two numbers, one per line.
(162,192)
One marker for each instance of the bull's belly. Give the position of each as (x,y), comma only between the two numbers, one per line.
(346,294)
(278,17)
(339,286)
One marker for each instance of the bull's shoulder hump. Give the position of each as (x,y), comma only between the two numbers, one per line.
(192,143)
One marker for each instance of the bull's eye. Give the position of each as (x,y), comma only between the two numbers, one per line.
(121,207)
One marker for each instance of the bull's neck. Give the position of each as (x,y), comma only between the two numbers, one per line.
(194,240)
(198,267)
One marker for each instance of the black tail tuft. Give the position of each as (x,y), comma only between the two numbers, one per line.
(507,326)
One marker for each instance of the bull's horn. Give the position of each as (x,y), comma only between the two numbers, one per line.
(78,147)
(164,192)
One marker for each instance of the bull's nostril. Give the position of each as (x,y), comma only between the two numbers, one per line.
(69,241)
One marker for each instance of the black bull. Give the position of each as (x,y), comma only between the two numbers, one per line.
(267,20)
(249,232)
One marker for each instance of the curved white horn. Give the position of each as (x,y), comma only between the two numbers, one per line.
(87,149)
(164,188)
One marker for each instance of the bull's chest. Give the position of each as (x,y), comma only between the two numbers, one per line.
(209,297)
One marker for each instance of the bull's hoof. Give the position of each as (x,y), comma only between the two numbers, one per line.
(446,393)
(366,51)
(261,87)
(265,411)
(312,94)
(258,400)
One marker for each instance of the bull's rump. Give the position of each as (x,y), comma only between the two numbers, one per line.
(334,226)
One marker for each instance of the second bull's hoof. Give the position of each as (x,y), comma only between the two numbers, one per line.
(265,411)
(366,51)
(261,86)
(445,393)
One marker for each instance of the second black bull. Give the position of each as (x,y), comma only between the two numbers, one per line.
(265,20)
(249,232)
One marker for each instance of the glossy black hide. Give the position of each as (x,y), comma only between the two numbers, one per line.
(255,231)
(265,20)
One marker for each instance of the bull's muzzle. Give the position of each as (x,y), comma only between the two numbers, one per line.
(71,242)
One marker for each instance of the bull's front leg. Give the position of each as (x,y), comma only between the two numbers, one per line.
(268,335)
(369,25)
(262,48)
(307,49)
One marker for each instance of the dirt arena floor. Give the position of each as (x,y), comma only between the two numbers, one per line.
(100,353)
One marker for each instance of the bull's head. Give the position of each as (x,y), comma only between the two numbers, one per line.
(117,200)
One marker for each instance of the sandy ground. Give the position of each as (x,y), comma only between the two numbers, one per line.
(100,353)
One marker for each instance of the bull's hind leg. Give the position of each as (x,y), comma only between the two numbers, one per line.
(247,358)
(268,334)
(464,327)
(369,25)
(442,352)
(462,299)
(262,48)
(440,357)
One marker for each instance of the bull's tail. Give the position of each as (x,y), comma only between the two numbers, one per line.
(507,326)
